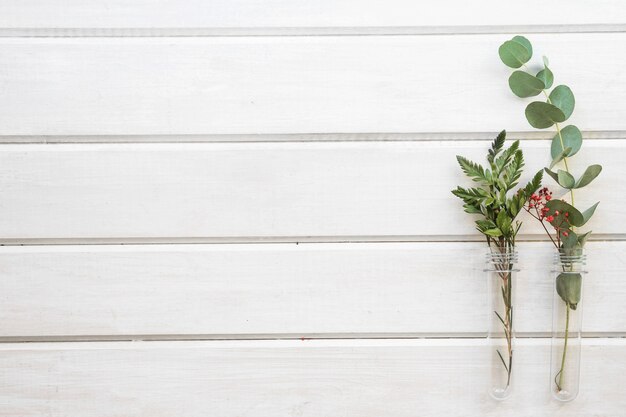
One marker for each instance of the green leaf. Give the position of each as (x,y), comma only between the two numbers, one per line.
(546,63)
(566,180)
(589,175)
(493,232)
(470,196)
(524,42)
(589,212)
(572,138)
(570,241)
(471,209)
(582,239)
(514,53)
(542,115)
(472,169)
(503,221)
(563,98)
(546,76)
(496,146)
(525,85)
(560,157)
(553,174)
(574,216)
(568,286)
(533,185)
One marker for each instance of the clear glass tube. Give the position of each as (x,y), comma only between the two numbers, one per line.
(567,313)
(500,271)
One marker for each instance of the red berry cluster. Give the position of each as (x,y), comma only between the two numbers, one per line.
(537,208)
(538,202)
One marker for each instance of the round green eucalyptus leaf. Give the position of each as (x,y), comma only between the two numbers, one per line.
(514,54)
(589,175)
(572,138)
(566,180)
(563,98)
(542,115)
(574,217)
(525,42)
(546,76)
(568,286)
(525,85)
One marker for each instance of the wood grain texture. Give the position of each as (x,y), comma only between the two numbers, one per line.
(281,290)
(293,85)
(301,14)
(309,378)
(257,190)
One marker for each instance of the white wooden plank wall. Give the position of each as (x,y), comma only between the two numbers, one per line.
(242,207)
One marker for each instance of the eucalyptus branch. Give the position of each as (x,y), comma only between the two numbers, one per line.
(563,217)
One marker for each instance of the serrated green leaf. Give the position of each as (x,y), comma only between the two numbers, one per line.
(532,186)
(471,209)
(565,179)
(496,146)
(589,212)
(568,286)
(546,76)
(472,169)
(542,115)
(525,85)
(560,157)
(563,98)
(514,54)
(589,175)
(571,137)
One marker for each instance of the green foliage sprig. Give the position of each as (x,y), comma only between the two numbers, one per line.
(498,208)
(562,216)
(557,108)
(492,197)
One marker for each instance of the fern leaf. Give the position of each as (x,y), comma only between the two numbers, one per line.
(472,169)
(496,146)
(533,185)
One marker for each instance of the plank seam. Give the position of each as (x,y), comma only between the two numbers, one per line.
(11,242)
(122,32)
(296,137)
(277,337)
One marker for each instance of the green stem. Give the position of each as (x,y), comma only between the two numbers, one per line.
(558,131)
(561,371)
(505,274)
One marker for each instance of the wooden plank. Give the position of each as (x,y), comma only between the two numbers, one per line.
(247,191)
(226,14)
(293,85)
(281,290)
(279,378)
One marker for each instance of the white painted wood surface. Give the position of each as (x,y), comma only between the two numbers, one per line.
(367,378)
(249,71)
(281,290)
(454,15)
(294,85)
(245,191)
